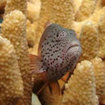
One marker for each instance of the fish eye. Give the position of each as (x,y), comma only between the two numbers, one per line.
(61,35)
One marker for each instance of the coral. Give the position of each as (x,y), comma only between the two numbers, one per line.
(30,33)
(89,41)
(16,4)
(9,73)
(77,4)
(99,72)
(33,12)
(77,26)
(81,89)
(15,31)
(86,9)
(96,15)
(100,4)
(33,8)
(60,12)
(101,27)
(44,18)
(86,17)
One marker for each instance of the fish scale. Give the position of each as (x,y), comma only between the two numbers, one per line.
(56,53)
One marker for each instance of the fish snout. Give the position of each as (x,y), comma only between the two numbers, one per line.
(74,49)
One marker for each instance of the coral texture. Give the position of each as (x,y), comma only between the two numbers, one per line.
(62,12)
(10,74)
(33,12)
(101,27)
(81,88)
(44,18)
(99,72)
(15,31)
(16,4)
(33,8)
(86,9)
(30,33)
(89,40)
(95,17)
(86,17)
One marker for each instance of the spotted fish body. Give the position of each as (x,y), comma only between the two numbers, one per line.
(59,50)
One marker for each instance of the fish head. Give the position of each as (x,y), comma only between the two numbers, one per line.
(58,48)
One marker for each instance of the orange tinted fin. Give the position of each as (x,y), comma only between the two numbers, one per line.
(65,77)
(35,63)
(35,66)
(54,88)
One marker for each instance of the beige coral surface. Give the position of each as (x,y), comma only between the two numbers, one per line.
(86,17)
(89,41)
(99,72)
(16,5)
(17,36)
(81,88)
(9,73)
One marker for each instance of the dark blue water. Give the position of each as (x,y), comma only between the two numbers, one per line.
(1,20)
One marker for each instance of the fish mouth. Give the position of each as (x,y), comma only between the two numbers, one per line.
(73,49)
(73,45)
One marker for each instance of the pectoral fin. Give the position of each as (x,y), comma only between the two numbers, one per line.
(54,88)
(65,77)
(36,67)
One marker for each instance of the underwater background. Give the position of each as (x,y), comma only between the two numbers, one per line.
(22,23)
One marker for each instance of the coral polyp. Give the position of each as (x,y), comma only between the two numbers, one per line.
(22,23)
(9,73)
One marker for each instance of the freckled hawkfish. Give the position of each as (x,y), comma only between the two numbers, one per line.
(58,52)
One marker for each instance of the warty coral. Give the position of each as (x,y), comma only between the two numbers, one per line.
(101,27)
(44,18)
(89,41)
(99,72)
(15,31)
(11,84)
(86,9)
(81,88)
(16,5)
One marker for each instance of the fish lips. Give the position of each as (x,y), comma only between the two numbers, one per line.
(73,50)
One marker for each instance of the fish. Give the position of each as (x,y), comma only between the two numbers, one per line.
(58,53)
